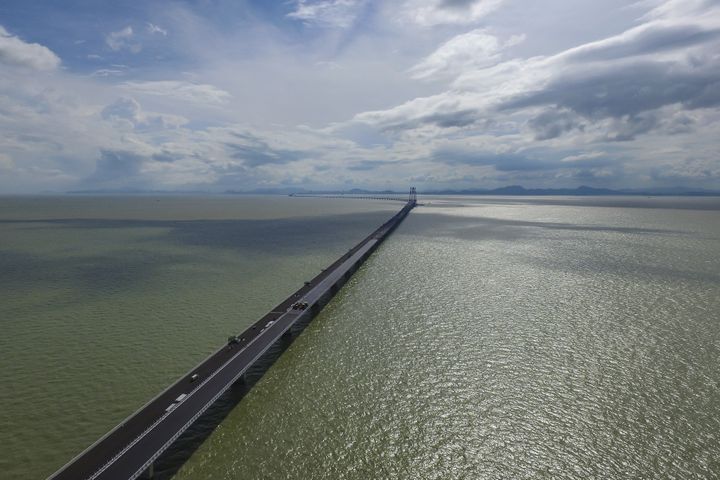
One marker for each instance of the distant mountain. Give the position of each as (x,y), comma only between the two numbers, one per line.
(582,190)
(510,190)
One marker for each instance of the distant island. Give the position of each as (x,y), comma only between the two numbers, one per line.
(510,190)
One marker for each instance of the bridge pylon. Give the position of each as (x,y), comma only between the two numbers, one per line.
(413,195)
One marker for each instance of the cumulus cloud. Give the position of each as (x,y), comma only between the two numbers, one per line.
(417,92)
(180,90)
(16,52)
(129,111)
(117,169)
(624,78)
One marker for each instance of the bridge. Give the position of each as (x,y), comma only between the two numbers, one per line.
(129,450)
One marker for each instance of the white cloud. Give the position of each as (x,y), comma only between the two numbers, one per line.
(185,91)
(152,29)
(334,13)
(656,64)
(16,52)
(472,50)
(127,110)
(635,106)
(123,40)
(439,12)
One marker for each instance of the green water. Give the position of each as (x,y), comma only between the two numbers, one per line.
(104,301)
(497,338)
(487,338)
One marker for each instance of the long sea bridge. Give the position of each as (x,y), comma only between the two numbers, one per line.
(130,449)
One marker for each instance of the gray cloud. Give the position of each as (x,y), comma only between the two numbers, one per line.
(629,89)
(624,84)
(645,40)
(628,128)
(518,162)
(368,165)
(256,152)
(554,122)
(117,169)
(166,157)
(457,3)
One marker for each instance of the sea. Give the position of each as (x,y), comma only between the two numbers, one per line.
(487,338)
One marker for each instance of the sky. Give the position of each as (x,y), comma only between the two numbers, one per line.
(218,95)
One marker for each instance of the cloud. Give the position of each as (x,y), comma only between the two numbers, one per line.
(474,49)
(329,13)
(616,90)
(152,29)
(180,90)
(128,110)
(612,84)
(123,40)
(381,94)
(254,152)
(369,165)
(628,128)
(16,52)
(648,39)
(553,122)
(439,12)
(518,161)
(117,169)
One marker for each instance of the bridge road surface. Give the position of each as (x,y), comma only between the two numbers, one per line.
(129,449)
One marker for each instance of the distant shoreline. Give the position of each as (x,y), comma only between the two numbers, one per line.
(513,190)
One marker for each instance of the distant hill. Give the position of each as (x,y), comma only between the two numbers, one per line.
(582,190)
(510,190)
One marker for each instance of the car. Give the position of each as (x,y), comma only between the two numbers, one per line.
(299,305)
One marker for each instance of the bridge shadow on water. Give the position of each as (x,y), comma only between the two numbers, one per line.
(173,459)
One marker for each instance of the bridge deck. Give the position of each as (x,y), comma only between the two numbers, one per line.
(132,446)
